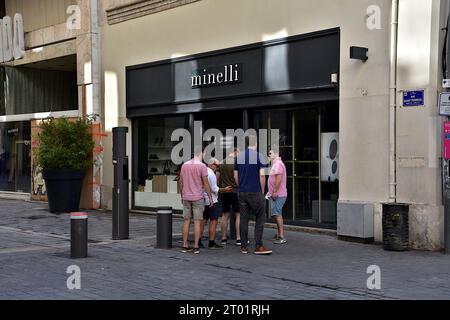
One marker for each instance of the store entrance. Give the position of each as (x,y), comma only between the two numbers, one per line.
(15,157)
(309,141)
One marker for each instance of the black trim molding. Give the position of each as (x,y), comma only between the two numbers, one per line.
(292,70)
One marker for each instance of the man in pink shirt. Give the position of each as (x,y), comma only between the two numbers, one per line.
(193,184)
(277,192)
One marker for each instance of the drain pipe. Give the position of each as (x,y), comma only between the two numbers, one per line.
(393,103)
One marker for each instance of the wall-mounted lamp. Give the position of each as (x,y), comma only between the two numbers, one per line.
(359,53)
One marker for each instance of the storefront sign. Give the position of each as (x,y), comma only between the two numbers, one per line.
(12,38)
(444,104)
(414,98)
(290,70)
(216,76)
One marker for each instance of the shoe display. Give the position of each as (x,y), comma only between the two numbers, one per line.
(262,251)
(280,240)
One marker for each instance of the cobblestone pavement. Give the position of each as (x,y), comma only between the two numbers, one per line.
(34,257)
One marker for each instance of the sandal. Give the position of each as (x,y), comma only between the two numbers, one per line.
(186,249)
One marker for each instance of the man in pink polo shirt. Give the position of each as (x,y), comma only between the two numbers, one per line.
(193,184)
(277,192)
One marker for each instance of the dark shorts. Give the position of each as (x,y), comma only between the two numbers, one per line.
(211,213)
(230,201)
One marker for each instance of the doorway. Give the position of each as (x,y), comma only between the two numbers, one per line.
(312,167)
(15,157)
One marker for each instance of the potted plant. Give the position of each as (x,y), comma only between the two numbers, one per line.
(64,153)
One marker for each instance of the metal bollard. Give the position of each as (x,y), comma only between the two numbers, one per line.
(164,228)
(79,235)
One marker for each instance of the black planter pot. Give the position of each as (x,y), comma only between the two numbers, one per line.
(63,189)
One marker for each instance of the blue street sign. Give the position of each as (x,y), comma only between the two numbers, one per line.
(414,98)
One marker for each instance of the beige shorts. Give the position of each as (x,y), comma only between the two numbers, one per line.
(193,209)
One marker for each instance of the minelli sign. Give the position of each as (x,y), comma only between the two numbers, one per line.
(12,38)
(217,76)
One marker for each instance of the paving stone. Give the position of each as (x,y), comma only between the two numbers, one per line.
(34,256)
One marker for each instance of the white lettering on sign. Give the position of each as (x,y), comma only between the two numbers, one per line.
(7,39)
(216,76)
(12,38)
(19,37)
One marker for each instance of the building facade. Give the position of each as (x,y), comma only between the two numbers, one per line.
(356,130)
(56,75)
(297,76)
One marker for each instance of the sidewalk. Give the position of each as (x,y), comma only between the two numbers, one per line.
(35,253)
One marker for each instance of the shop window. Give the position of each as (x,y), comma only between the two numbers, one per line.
(15,157)
(156,176)
(329,164)
(34,90)
(2,9)
(221,121)
(2,91)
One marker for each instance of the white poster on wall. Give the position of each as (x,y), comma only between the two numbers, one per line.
(330,157)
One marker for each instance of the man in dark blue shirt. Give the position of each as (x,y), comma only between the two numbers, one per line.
(250,177)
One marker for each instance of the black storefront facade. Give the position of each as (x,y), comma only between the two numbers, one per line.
(289,84)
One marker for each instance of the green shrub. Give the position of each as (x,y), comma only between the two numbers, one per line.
(65,144)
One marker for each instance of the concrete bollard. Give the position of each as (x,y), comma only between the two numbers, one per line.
(79,235)
(164,228)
